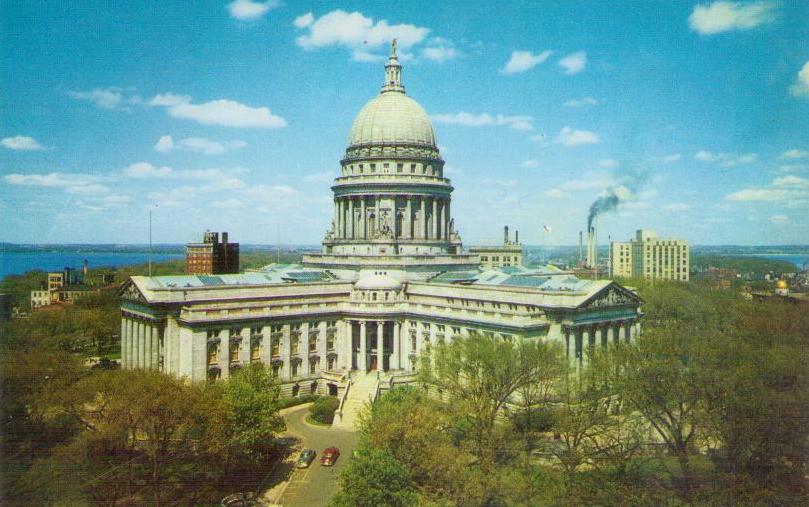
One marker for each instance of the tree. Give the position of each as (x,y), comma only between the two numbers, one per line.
(322,409)
(374,478)
(251,398)
(480,375)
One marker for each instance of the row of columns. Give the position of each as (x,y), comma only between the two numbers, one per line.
(424,217)
(603,333)
(364,355)
(140,343)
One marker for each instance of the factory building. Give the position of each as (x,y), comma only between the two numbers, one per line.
(507,254)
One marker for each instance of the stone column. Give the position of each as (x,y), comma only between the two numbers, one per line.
(322,348)
(395,358)
(266,346)
(434,220)
(448,217)
(380,345)
(304,348)
(141,344)
(224,353)
(346,335)
(408,221)
(580,334)
(286,354)
(123,342)
(350,218)
(362,360)
(423,224)
(147,359)
(363,216)
(443,234)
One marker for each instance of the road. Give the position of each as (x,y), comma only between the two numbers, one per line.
(314,486)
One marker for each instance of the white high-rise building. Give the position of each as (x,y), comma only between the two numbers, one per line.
(650,257)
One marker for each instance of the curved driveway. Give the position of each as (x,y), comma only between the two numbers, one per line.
(314,486)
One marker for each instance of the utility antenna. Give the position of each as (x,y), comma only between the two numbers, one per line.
(150,241)
(278,243)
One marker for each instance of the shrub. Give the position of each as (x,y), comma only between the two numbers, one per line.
(296,400)
(322,409)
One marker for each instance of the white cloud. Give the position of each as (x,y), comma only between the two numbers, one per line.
(585,101)
(518,122)
(106,98)
(304,20)
(223,112)
(70,183)
(165,144)
(90,188)
(608,163)
(354,31)
(574,62)
(440,53)
(725,159)
(248,9)
(676,206)
(231,203)
(144,170)
(791,182)
(794,153)
(801,86)
(554,193)
(570,137)
(757,194)
(198,144)
(530,164)
(724,16)
(522,61)
(792,168)
(779,219)
(21,143)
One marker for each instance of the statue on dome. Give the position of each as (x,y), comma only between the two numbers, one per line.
(385,230)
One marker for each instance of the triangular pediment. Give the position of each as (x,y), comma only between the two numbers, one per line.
(612,295)
(130,292)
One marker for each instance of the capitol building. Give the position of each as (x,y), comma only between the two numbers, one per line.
(392,279)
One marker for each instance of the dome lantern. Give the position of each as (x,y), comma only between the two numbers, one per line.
(393,72)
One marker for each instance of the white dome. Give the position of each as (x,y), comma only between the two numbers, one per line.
(378,282)
(392,118)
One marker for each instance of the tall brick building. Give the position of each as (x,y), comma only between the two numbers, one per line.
(212,257)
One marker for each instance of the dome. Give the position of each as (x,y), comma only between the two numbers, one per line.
(781,284)
(378,282)
(392,118)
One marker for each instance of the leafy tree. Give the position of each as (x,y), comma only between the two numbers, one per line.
(251,398)
(480,375)
(374,478)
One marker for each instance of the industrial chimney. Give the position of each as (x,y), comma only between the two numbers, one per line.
(505,235)
(516,237)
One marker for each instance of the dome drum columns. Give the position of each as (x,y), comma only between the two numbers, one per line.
(407,218)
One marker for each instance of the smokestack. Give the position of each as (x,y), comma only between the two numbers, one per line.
(517,237)
(505,235)
(224,237)
(581,258)
(589,247)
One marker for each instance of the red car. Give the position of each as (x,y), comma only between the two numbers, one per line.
(329,456)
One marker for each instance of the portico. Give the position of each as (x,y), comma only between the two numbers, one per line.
(376,345)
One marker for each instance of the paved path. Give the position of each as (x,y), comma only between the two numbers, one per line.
(313,486)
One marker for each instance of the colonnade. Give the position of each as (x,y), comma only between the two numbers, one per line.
(141,343)
(371,354)
(602,333)
(417,217)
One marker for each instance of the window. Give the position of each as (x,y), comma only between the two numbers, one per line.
(255,350)
(294,344)
(276,369)
(330,342)
(234,352)
(295,369)
(213,355)
(399,167)
(312,342)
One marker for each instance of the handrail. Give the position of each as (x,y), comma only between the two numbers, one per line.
(343,398)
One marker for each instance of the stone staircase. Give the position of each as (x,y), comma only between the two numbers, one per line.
(362,390)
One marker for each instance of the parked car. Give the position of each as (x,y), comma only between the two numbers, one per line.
(329,456)
(239,500)
(305,458)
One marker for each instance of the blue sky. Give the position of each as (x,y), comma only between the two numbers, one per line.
(234,116)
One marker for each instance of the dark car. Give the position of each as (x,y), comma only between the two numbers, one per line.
(305,458)
(239,500)
(329,456)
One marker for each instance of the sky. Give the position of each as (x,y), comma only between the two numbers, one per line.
(234,116)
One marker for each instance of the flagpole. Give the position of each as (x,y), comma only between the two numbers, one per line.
(150,241)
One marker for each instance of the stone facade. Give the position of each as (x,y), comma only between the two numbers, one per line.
(650,257)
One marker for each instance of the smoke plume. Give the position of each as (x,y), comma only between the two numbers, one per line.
(629,182)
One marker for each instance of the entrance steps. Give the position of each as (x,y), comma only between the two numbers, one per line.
(362,391)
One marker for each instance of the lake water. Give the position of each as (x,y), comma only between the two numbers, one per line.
(797,260)
(17,263)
